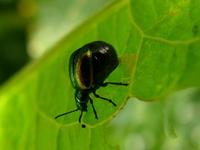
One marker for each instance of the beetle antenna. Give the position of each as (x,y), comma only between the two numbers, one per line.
(66,113)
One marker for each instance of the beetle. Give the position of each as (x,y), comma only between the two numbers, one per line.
(89,66)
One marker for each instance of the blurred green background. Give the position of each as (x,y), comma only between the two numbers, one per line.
(13,39)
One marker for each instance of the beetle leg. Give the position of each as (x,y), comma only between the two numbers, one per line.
(103,98)
(66,113)
(80,117)
(94,110)
(114,83)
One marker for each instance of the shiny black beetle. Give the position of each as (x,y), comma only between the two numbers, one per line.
(89,66)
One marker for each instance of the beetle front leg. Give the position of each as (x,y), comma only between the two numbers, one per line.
(103,98)
(114,83)
(66,113)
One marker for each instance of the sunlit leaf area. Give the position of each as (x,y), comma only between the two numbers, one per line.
(158,46)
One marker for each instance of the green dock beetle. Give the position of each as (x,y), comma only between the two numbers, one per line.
(89,66)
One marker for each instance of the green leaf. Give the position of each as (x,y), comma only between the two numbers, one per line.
(158,44)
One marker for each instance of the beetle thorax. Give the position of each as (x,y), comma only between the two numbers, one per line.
(82,98)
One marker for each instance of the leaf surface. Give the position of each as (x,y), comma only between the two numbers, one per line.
(159,49)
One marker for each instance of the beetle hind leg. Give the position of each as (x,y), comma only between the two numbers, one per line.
(94,110)
(103,98)
(114,83)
